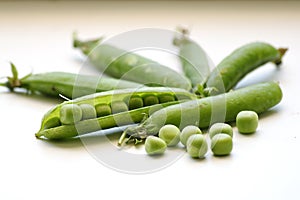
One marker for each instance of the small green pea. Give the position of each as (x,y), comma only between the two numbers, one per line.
(135,102)
(70,114)
(155,145)
(170,134)
(187,132)
(221,144)
(247,121)
(196,146)
(103,110)
(150,100)
(220,128)
(118,106)
(88,111)
(166,98)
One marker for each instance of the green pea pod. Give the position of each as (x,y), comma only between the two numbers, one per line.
(239,63)
(206,111)
(67,84)
(52,127)
(125,65)
(194,60)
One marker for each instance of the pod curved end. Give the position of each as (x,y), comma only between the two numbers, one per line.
(85,46)
(282,52)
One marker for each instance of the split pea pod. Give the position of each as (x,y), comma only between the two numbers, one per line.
(104,103)
(206,111)
(239,63)
(67,84)
(194,60)
(121,64)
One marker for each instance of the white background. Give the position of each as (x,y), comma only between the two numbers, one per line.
(37,36)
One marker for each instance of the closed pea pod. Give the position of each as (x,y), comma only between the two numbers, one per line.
(195,63)
(239,63)
(258,98)
(121,64)
(52,129)
(66,84)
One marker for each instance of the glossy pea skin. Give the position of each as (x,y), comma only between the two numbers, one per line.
(221,144)
(239,63)
(197,146)
(150,100)
(88,111)
(66,84)
(118,106)
(135,102)
(124,65)
(187,132)
(155,145)
(247,121)
(220,128)
(70,114)
(170,134)
(166,98)
(103,110)
(221,108)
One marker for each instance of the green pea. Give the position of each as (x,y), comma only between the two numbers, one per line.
(247,121)
(150,100)
(103,110)
(170,134)
(70,114)
(196,146)
(166,98)
(118,106)
(135,102)
(221,144)
(155,145)
(220,128)
(88,111)
(187,132)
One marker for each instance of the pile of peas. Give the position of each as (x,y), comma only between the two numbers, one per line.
(193,139)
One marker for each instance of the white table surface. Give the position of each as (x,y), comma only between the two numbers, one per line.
(37,36)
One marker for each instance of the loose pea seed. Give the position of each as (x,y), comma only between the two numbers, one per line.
(135,102)
(118,106)
(103,110)
(220,128)
(187,132)
(170,134)
(166,98)
(150,100)
(247,121)
(155,145)
(88,111)
(221,144)
(70,114)
(196,146)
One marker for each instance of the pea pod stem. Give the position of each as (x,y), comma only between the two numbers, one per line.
(206,111)
(119,63)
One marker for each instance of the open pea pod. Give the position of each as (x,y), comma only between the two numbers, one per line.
(111,108)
